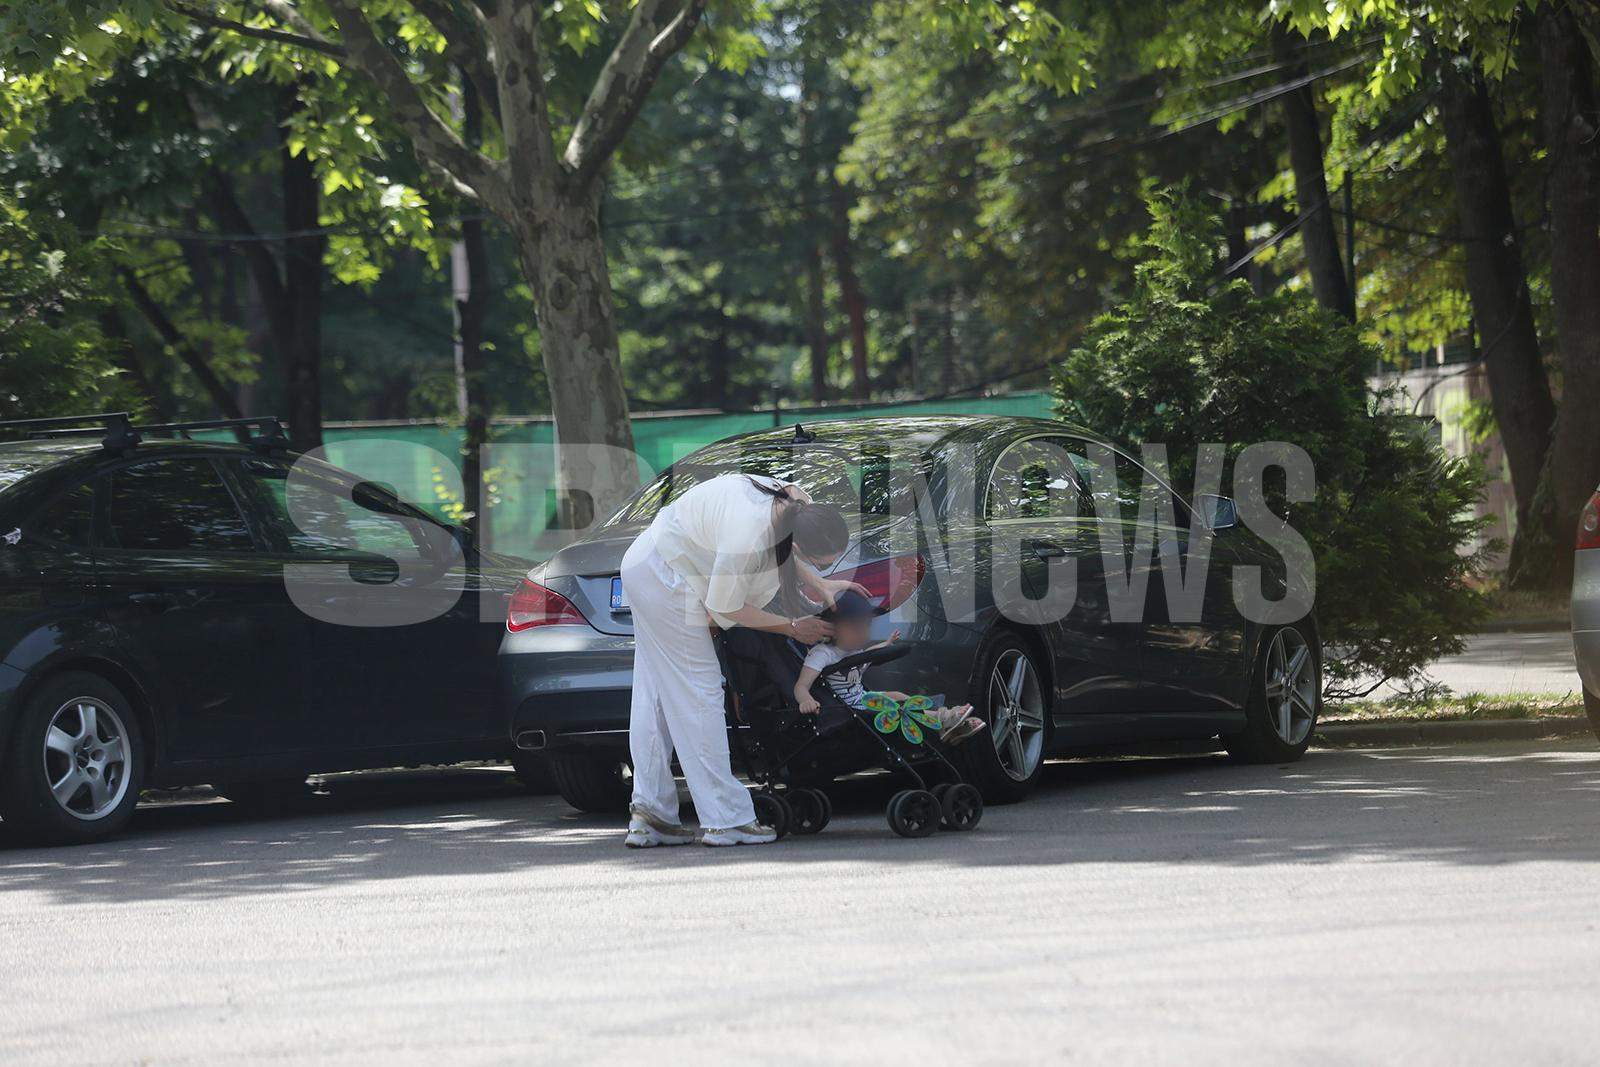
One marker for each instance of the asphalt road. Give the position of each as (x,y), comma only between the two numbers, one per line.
(1411,905)
(1509,663)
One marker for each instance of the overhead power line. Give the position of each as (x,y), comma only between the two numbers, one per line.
(1179,125)
(926,117)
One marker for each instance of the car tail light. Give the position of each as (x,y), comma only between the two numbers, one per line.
(1589,523)
(891,581)
(534,605)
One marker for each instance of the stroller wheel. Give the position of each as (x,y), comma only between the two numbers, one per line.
(774,811)
(963,806)
(810,809)
(940,790)
(914,813)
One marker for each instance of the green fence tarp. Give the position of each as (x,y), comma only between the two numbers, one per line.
(421,461)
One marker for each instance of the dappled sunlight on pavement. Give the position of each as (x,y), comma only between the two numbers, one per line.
(444,914)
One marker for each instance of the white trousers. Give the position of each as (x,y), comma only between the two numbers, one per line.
(677,697)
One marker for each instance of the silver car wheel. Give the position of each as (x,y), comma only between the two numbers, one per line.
(1016,712)
(1290,686)
(86,758)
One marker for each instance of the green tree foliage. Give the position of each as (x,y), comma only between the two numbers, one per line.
(1189,360)
(53,357)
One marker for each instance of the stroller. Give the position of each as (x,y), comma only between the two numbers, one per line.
(790,755)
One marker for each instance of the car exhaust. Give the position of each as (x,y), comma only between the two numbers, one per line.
(531,740)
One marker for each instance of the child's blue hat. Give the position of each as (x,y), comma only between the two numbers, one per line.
(850,605)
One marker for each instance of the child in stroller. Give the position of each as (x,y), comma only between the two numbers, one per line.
(851,616)
(789,754)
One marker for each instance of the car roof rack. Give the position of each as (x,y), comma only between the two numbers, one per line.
(271,433)
(116,425)
(121,434)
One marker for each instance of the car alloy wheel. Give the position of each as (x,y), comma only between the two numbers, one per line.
(1016,713)
(1289,685)
(86,758)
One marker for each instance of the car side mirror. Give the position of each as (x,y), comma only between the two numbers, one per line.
(1219,512)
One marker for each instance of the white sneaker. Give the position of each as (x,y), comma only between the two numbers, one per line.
(751,833)
(647,831)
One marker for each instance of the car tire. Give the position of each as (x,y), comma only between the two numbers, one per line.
(1285,700)
(1007,760)
(1591,704)
(533,771)
(593,784)
(76,762)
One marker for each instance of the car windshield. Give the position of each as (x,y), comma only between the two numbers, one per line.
(856,481)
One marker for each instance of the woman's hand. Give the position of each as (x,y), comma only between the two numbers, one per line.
(827,590)
(808,629)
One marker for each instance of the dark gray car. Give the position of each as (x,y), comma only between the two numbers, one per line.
(964,526)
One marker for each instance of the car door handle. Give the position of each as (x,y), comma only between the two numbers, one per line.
(154,601)
(1049,551)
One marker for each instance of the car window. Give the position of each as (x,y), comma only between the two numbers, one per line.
(1120,494)
(1034,479)
(67,519)
(317,516)
(174,505)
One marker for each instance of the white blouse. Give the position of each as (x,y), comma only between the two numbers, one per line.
(718,537)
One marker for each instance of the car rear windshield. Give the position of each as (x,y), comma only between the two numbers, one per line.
(17,465)
(851,480)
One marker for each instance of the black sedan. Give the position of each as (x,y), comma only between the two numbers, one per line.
(1007,551)
(175,612)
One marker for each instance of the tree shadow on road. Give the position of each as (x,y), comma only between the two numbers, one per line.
(1469,804)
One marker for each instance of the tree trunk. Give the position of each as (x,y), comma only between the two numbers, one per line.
(815,314)
(1304,132)
(816,325)
(302,282)
(1519,391)
(850,295)
(126,357)
(717,373)
(469,264)
(232,314)
(564,263)
(1569,119)
(221,396)
(470,267)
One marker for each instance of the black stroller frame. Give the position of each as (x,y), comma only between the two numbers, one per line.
(778,745)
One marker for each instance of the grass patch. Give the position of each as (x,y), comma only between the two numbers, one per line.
(1455,707)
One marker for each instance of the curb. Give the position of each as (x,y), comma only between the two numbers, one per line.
(1449,732)
(1525,626)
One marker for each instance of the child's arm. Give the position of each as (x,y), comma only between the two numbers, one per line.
(886,642)
(802,691)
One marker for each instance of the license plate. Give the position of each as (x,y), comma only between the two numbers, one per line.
(619,600)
